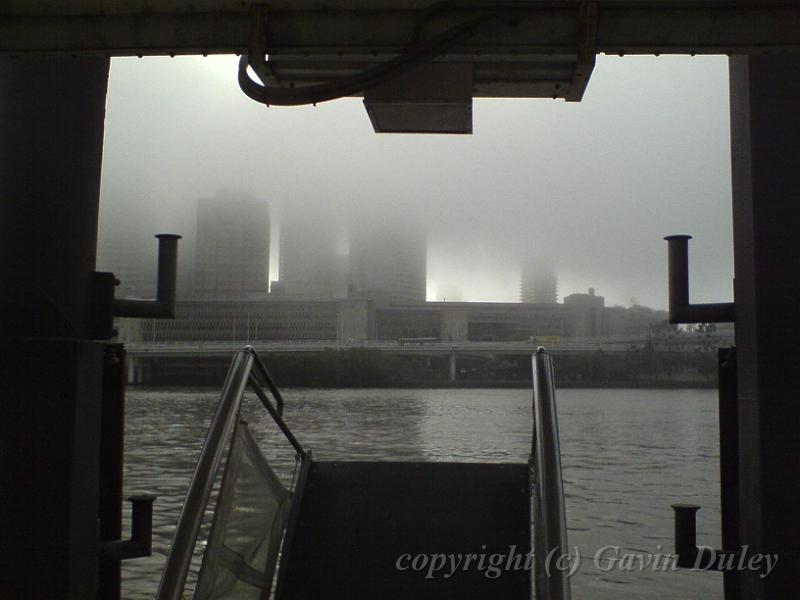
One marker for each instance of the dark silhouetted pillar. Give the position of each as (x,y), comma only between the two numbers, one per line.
(765,138)
(51,138)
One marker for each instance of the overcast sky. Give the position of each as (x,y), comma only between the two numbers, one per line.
(595,185)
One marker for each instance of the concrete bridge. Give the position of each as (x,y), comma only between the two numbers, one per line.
(142,355)
(605,344)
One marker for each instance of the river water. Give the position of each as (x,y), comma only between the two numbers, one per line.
(627,455)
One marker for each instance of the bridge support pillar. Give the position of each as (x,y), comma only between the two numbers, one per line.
(52,113)
(765,137)
(131,369)
(141,373)
(453,367)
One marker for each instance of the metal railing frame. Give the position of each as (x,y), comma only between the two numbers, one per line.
(551,551)
(549,514)
(244,367)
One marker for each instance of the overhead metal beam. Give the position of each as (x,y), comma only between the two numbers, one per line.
(643,27)
(149,34)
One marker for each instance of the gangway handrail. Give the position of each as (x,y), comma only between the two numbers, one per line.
(551,552)
(240,373)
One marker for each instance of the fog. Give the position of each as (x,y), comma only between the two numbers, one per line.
(592,185)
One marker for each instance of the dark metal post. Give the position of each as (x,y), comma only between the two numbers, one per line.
(680,309)
(678,267)
(111,463)
(141,541)
(167,278)
(729,463)
(163,307)
(52,115)
(686,534)
(142,522)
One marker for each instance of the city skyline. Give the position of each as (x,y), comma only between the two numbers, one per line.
(341,259)
(532,170)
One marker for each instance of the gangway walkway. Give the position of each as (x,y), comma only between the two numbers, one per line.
(370,530)
(401,530)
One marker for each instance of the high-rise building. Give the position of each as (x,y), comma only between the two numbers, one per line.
(232,248)
(388,262)
(586,311)
(539,283)
(308,248)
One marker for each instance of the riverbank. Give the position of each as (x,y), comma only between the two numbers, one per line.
(361,368)
(470,385)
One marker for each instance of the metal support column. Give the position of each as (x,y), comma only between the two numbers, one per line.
(112,438)
(729,464)
(51,139)
(765,137)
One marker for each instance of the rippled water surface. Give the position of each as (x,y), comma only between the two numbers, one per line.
(627,455)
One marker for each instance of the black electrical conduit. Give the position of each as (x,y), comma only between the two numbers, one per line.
(369,78)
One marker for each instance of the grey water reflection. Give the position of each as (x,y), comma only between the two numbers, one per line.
(627,455)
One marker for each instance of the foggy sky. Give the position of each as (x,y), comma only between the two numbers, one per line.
(595,185)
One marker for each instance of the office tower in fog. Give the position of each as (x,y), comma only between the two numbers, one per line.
(308,248)
(539,283)
(231,248)
(388,261)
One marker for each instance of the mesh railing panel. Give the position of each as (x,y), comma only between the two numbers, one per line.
(249,521)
